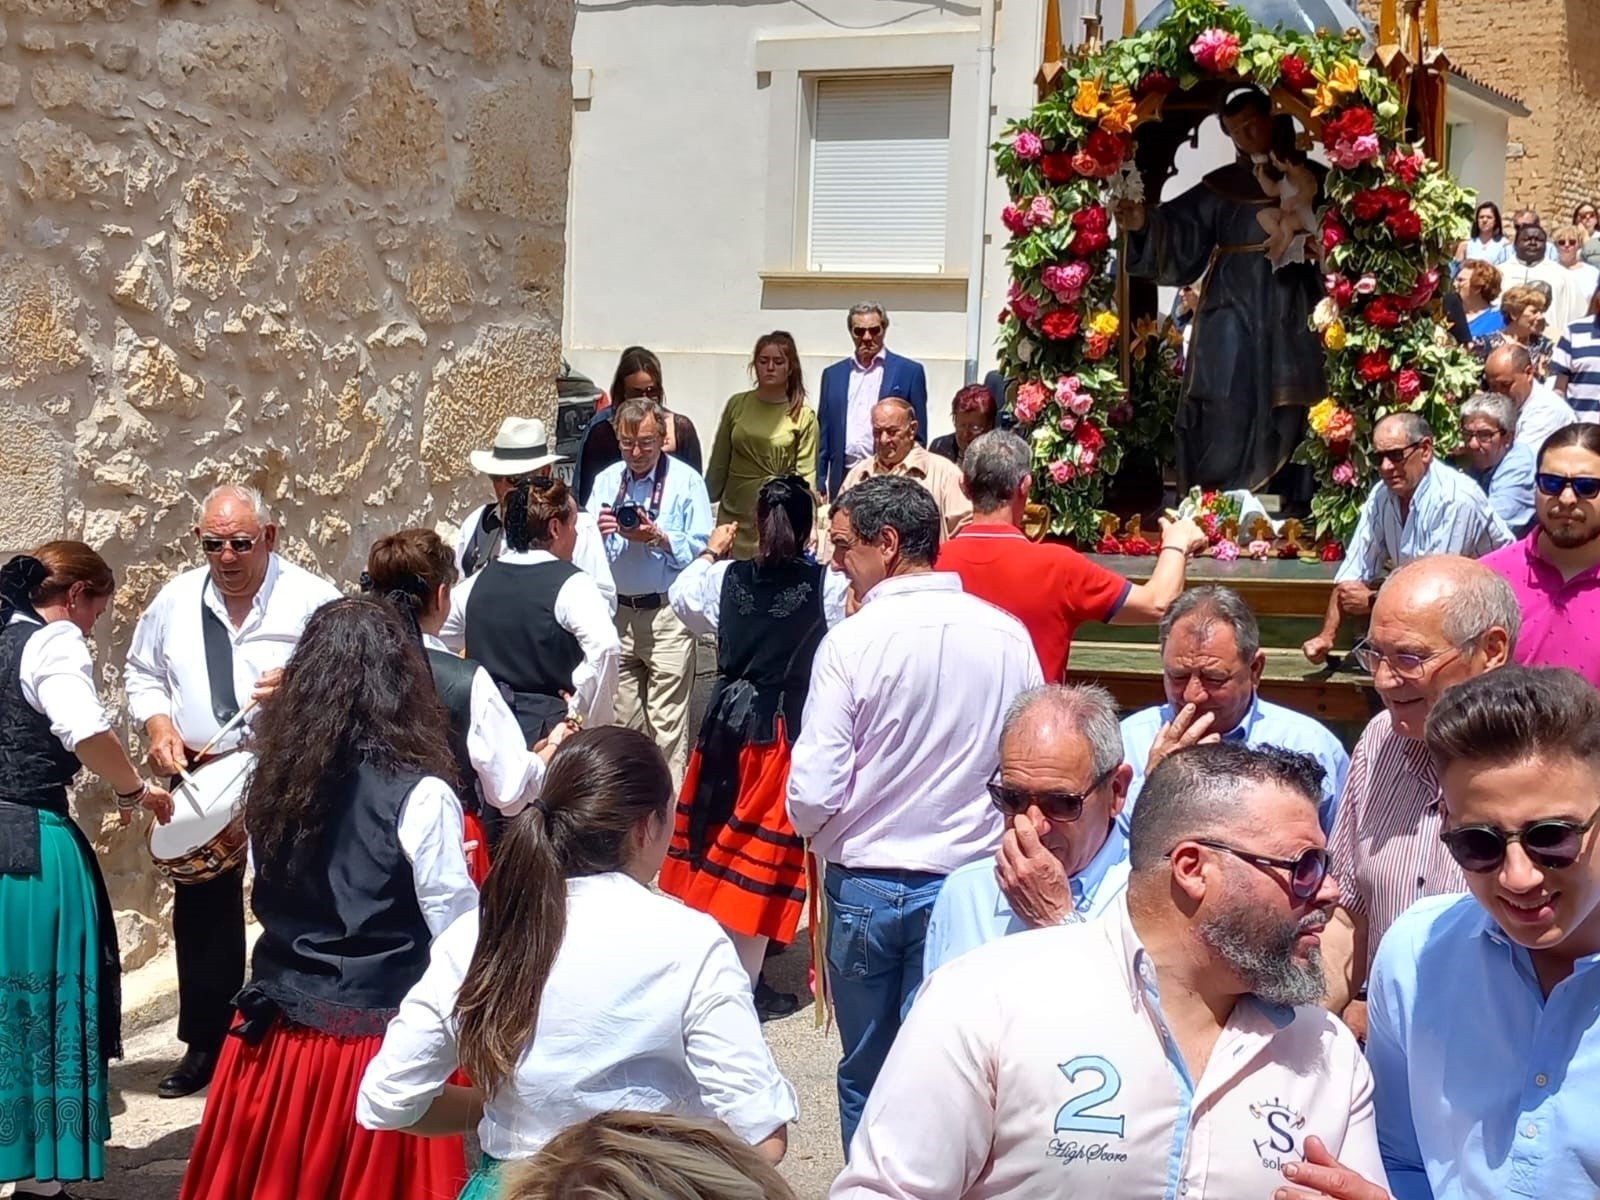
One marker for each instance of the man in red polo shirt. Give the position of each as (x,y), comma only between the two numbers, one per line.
(1051,589)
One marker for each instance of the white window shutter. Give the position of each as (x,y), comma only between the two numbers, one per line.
(880,158)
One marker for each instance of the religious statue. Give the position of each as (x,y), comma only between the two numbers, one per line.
(1255,365)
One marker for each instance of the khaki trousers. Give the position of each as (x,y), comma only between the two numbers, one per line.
(655,679)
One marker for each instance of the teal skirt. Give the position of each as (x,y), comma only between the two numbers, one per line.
(484,1183)
(54,1118)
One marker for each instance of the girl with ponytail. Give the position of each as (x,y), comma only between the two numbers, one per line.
(574,989)
(734,854)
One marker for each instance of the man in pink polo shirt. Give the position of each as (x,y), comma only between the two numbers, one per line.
(1555,569)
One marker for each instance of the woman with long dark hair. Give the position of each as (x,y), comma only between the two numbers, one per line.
(535,622)
(638,377)
(1488,241)
(356,839)
(60,974)
(734,854)
(497,775)
(763,434)
(574,989)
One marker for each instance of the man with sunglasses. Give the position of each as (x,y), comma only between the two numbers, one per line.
(1060,785)
(1418,507)
(1555,570)
(1485,1047)
(850,388)
(242,612)
(1171,1047)
(1437,622)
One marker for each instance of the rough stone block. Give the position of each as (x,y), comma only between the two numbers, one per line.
(333,280)
(58,162)
(238,65)
(508,370)
(33,473)
(437,284)
(512,134)
(39,322)
(147,374)
(393,132)
(218,245)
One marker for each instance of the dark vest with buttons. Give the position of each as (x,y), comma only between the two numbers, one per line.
(35,768)
(342,932)
(512,632)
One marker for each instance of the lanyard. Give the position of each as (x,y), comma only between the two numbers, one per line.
(655,490)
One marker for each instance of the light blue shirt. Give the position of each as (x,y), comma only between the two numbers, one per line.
(1484,1086)
(971,908)
(1509,485)
(1264,724)
(684,519)
(1449,515)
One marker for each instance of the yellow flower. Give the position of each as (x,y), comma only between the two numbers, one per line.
(1343,80)
(1321,413)
(1104,323)
(1119,114)
(1088,104)
(1333,336)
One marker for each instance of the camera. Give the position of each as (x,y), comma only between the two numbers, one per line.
(629,516)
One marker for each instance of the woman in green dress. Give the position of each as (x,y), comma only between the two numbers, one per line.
(764,434)
(60,993)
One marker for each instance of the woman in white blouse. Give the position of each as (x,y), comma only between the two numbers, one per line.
(58,945)
(583,991)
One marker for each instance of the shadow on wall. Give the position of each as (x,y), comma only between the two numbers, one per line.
(935,6)
(910,295)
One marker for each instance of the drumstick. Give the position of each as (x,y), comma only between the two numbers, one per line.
(188,793)
(223,732)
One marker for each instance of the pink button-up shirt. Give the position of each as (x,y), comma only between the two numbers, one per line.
(902,728)
(1037,1067)
(866,386)
(1560,617)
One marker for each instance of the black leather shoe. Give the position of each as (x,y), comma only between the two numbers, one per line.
(772,1004)
(189,1076)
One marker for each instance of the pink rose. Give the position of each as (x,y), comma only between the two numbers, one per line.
(1422,291)
(1344,474)
(1080,403)
(1060,281)
(1366,285)
(1408,385)
(1067,423)
(1027,145)
(1215,50)
(1041,211)
(1062,471)
(1066,388)
(1260,548)
(1225,551)
(1086,459)
(1031,397)
(1013,219)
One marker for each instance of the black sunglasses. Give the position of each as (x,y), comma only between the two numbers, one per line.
(1056,806)
(1307,870)
(651,392)
(214,546)
(1584,487)
(1554,844)
(862,332)
(1397,455)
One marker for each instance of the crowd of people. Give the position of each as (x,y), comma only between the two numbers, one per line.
(1198,947)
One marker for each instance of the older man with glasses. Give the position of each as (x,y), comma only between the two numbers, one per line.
(213,638)
(1437,622)
(850,389)
(1419,507)
(1494,460)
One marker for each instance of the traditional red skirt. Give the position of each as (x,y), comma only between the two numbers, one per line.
(280,1124)
(476,845)
(751,875)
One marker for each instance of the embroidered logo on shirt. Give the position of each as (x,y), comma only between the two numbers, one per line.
(1282,1122)
(1099,1083)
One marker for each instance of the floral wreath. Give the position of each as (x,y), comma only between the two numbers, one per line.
(1391,221)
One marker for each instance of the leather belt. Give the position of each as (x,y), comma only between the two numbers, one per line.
(647,601)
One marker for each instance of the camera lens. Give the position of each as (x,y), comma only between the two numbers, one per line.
(628,517)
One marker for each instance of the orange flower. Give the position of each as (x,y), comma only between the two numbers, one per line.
(1119,112)
(1088,104)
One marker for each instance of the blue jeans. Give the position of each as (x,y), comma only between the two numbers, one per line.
(877,921)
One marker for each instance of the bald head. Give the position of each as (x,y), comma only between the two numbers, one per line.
(1057,712)
(1508,371)
(894,430)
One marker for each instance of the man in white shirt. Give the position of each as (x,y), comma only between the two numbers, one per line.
(1531,262)
(900,737)
(1061,784)
(1170,1048)
(655,516)
(1508,371)
(244,611)
(521,450)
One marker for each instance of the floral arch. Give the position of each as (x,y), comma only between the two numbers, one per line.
(1392,219)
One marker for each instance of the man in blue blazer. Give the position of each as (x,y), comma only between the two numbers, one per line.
(851,386)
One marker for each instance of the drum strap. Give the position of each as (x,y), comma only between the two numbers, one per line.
(219,663)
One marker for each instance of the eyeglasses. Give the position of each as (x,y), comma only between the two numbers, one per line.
(1481,435)
(1307,870)
(1553,844)
(1399,454)
(214,546)
(629,445)
(1410,667)
(1056,806)
(1584,487)
(862,332)
(645,393)
(1568,242)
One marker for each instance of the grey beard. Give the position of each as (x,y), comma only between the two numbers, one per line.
(1264,957)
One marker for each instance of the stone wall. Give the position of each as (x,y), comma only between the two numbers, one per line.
(315,246)
(1547,54)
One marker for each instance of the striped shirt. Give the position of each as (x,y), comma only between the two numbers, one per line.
(1385,843)
(1577,360)
(1449,514)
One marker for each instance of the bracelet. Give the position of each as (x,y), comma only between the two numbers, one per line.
(128,801)
(712,555)
(1179,549)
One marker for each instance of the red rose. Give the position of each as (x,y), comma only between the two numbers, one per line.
(1405,225)
(1108,545)
(1090,437)
(1057,168)
(1094,218)
(1333,232)
(1296,73)
(1097,347)
(1119,415)
(1089,241)
(1393,198)
(1383,311)
(1060,325)
(1368,205)
(1332,552)
(1005,315)
(1341,290)
(1156,83)
(1347,126)
(1407,385)
(1373,366)
(1338,449)
(1137,545)
(1407,166)
(1085,165)
(1106,149)
(1288,550)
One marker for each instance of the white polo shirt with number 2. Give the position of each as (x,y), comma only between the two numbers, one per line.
(1040,1066)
